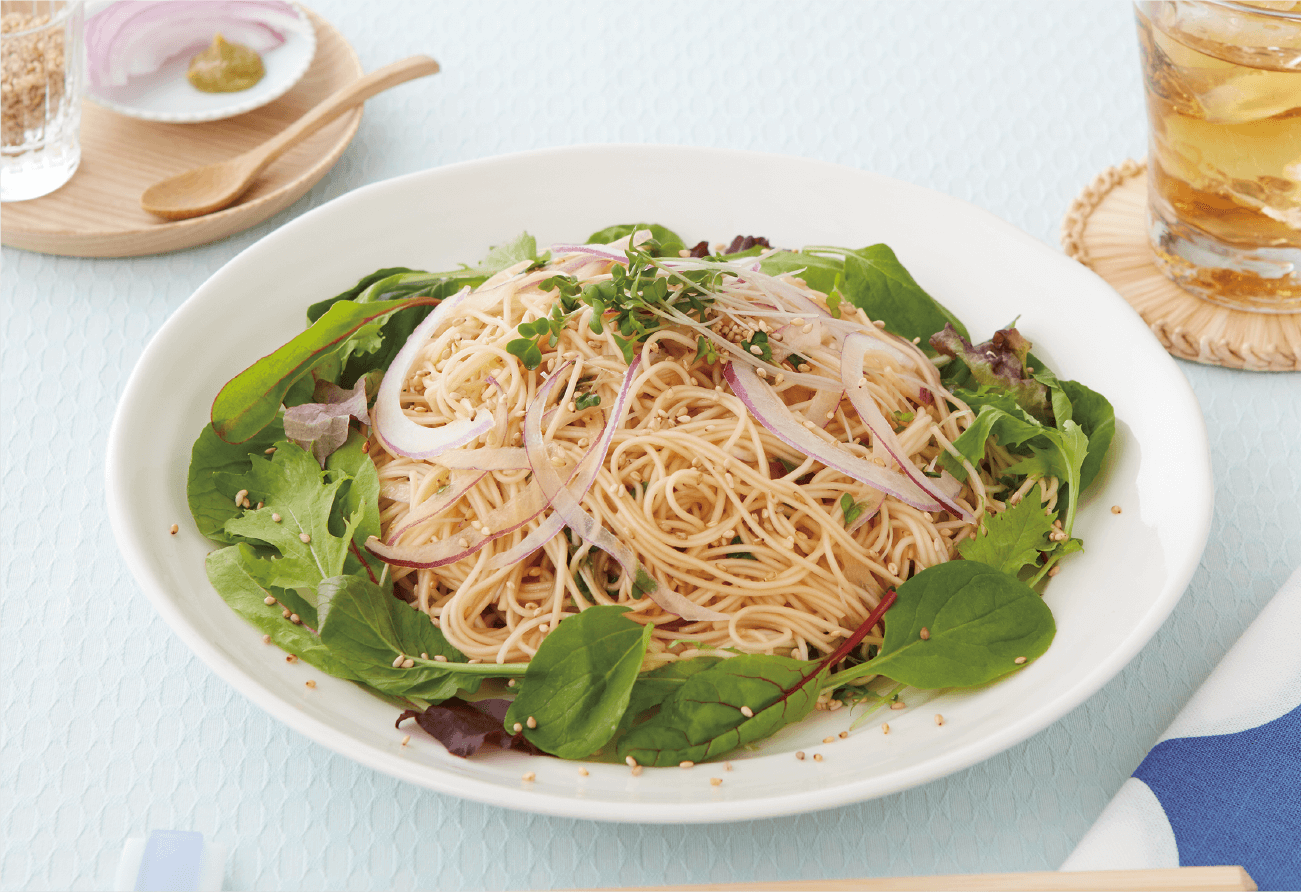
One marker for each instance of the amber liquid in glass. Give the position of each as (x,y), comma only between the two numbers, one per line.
(1225,160)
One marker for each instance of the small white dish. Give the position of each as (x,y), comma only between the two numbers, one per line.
(1108,601)
(168,97)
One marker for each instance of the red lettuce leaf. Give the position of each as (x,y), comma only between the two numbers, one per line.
(999,362)
(464,727)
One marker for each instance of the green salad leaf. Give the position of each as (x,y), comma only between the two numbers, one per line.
(578,684)
(1013,539)
(979,622)
(367,629)
(212,503)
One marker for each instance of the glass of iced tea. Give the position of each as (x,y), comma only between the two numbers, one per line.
(1223,86)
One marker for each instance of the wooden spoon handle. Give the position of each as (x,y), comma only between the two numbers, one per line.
(343,99)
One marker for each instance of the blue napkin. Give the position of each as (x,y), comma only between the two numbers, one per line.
(1223,784)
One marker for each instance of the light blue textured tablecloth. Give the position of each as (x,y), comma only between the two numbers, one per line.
(110,727)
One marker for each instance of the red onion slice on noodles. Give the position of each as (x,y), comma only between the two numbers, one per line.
(855,351)
(585,526)
(399,434)
(768,409)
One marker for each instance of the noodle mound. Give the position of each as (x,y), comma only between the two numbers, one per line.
(715,506)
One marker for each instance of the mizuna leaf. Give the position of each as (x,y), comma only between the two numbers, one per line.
(1013,539)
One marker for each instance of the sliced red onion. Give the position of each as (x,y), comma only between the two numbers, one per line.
(766,406)
(603,251)
(851,374)
(823,403)
(464,542)
(493,458)
(587,527)
(399,434)
(582,480)
(126,40)
(459,485)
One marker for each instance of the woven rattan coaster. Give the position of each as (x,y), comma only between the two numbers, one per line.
(1106,231)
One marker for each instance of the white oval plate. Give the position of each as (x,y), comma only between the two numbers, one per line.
(168,97)
(1108,601)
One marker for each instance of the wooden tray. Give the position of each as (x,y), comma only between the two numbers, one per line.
(1106,230)
(97,214)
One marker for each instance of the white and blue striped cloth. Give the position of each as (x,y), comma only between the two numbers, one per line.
(1223,784)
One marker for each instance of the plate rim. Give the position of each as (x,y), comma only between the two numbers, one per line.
(1015,731)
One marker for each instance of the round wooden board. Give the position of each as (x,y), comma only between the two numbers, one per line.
(1106,230)
(98,214)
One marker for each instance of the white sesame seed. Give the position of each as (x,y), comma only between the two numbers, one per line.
(438,658)
(683,418)
(817,757)
(1115,509)
(885,727)
(292,658)
(1019,660)
(686,763)
(408,663)
(266,639)
(463,543)
(747,712)
(311,683)
(259,505)
(939,719)
(757,350)
(531,722)
(715,781)
(582,772)
(240,497)
(831,739)
(924,634)
(270,450)
(406,738)
(631,761)
(898,704)
(294,618)
(175,529)
(800,755)
(287,613)
(397,662)
(275,518)
(843,734)
(517,728)
(529,776)
(269,599)
(304,538)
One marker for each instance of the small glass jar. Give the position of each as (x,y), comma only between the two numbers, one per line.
(41,81)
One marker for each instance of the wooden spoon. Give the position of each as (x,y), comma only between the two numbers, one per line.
(203,190)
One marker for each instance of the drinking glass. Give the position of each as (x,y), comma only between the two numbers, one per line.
(40,95)
(1223,84)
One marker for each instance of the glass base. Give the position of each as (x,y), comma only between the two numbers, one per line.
(36,173)
(1257,280)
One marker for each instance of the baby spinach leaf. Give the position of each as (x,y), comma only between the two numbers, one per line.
(578,684)
(704,719)
(822,272)
(212,504)
(878,284)
(236,574)
(1013,539)
(1095,415)
(251,400)
(979,622)
(670,243)
(367,629)
(998,417)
